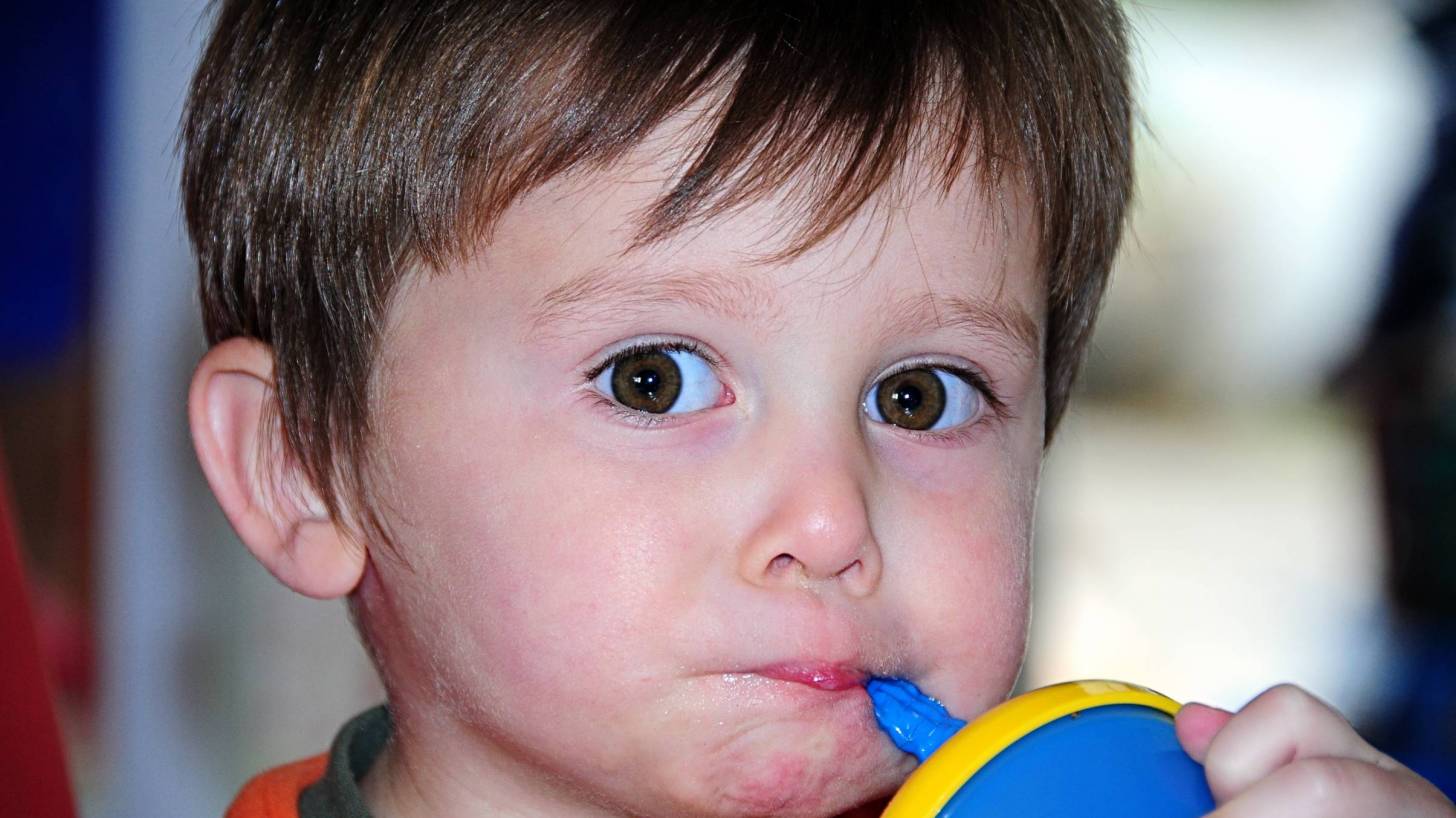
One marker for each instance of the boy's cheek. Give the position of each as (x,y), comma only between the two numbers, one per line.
(968,594)
(976,652)
(548,577)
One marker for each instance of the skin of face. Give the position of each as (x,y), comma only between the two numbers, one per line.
(594,611)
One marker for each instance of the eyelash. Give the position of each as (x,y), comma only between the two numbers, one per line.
(981,383)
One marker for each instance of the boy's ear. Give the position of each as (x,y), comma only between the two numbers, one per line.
(265,493)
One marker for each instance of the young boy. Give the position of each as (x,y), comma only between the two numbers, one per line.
(647,376)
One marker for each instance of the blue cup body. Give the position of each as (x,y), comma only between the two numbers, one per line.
(1114,761)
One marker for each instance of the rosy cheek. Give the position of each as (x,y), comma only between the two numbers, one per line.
(562,580)
(972,612)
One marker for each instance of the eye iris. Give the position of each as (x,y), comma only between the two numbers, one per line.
(647,381)
(913,399)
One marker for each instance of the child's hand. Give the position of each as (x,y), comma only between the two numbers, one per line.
(1290,755)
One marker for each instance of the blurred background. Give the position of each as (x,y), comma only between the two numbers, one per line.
(1258,483)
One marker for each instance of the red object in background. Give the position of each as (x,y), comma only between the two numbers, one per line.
(34,781)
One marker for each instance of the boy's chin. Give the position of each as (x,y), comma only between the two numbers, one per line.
(787,788)
(793,769)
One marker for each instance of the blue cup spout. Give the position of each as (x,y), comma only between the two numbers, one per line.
(916,723)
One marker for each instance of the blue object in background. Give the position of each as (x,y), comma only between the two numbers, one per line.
(1078,750)
(49,109)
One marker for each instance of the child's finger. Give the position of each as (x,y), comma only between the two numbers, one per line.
(1196,725)
(1336,788)
(1282,725)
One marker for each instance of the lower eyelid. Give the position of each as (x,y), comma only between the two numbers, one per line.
(642,420)
(955,436)
(645,419)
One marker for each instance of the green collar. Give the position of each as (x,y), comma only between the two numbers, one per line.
(355,749)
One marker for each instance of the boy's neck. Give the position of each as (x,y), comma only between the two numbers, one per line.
(453,782)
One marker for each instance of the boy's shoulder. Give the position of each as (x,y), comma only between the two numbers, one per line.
(274,793)
(322,786)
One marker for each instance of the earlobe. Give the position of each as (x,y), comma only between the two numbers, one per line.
(263,490)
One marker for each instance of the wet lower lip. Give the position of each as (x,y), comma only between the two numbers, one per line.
(823,677)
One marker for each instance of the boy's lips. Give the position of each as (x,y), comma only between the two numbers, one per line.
(821,675)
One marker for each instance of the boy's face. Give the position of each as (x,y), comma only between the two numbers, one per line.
(658,516)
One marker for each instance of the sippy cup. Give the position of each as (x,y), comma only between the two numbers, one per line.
(1090,749)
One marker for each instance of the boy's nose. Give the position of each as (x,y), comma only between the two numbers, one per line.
(815,533)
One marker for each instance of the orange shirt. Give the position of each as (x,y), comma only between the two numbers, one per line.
(274,793)
(324,786)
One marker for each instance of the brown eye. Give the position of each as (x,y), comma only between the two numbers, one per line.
(929,398)
(647,381)
(911,399)
(671,377)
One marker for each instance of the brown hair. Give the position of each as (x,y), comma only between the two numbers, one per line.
(328,145)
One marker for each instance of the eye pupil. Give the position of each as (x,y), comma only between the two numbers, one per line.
(648,382)
(913,399)
(908,398)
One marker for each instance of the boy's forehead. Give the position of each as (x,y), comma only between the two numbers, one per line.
(956,253)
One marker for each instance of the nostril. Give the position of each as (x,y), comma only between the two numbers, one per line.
(851,569)
(781,563)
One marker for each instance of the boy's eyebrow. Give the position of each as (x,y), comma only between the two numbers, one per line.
(998,322)
(610,290)
(588,297)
